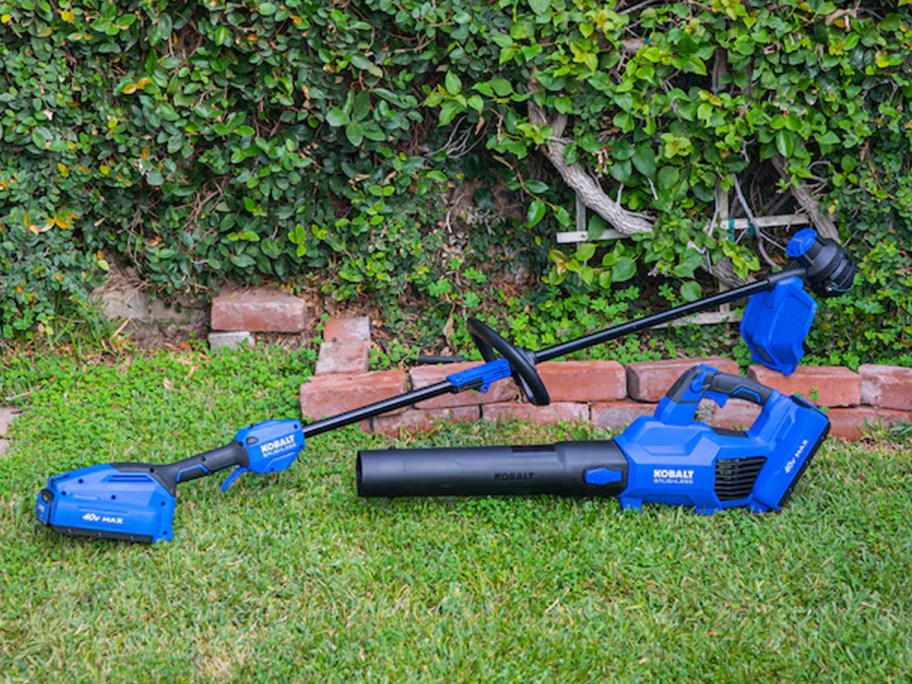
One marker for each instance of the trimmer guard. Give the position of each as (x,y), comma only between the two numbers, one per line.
(776,323)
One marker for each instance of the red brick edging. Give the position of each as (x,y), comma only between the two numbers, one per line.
(604,393)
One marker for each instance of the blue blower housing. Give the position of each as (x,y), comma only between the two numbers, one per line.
(667,458)
(675,459)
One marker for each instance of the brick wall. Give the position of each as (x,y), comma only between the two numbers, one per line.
(605,393)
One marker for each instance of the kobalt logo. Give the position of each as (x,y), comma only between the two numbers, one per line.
(791,464)
(94,517)
(513,476)
(278,444)
(672,476)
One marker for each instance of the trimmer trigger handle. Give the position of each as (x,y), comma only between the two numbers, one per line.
(234,475)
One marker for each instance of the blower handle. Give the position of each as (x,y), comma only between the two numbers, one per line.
(679,405)
(191,468)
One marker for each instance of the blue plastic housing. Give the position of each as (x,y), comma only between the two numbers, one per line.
(483,375)
(101,501)
(695,465)
(272,446)
(776,323)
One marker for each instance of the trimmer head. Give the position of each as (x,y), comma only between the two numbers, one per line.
(777,322)
(830,269)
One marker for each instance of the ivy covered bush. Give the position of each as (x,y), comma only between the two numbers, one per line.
(404,147)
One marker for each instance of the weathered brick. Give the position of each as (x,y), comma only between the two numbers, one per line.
(552,413)
(617,415)
(7,416)
(344,357)
(347,329)
(422,376)
(231,340)
(850,423)
(822,385)
(584,380)
(327,395)
(650,380)
(415,420)
(259,310)
(886,386)
(735,414)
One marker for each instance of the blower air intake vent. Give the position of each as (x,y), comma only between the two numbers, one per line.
(735,477)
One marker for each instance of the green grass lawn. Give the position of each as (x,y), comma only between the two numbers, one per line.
(293,578)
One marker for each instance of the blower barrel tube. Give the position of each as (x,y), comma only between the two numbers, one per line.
(567,468)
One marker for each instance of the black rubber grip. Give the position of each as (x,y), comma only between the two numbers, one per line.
(738,387)
(727,384)
(206,463)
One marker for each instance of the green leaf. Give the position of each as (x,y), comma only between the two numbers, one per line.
(475,102)
(154,177)
(536,186)
(336,117)
(644,160)
(535,213)
(501,86)
(364,64)
(668,177)
(266,8)
(448,112)
(540,6)
(584,252)
(222,36)
(624,269)
(621,171)
(452,83)
(691,291)
(785,143)
(355,133)
(41,137)
(243,260)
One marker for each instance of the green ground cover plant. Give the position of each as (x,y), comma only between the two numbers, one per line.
(293,578)
(397,150)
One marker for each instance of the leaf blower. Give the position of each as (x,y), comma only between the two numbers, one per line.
(667,458)
(136,501)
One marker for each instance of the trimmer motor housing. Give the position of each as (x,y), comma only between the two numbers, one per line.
(668,458)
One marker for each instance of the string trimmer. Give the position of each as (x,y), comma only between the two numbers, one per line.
(135,501)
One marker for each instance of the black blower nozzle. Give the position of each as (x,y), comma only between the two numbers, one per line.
(552,469)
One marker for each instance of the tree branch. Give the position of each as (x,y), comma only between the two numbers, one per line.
(579,180)
(577,177)
(805,198)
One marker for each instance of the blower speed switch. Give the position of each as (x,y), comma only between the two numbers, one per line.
(602,476)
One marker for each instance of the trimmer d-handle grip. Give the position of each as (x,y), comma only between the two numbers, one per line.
(680,403)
